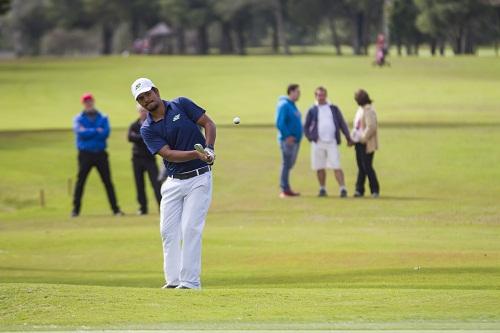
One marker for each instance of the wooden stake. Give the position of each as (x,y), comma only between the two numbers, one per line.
(42,198)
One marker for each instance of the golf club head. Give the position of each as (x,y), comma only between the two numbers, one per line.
(199,148)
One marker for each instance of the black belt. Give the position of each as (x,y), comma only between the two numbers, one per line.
(193,173)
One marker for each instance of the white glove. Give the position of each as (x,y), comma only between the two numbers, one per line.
(210,153)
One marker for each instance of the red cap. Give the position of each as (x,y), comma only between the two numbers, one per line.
(87,97)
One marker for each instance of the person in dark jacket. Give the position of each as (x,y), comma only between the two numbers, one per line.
(92,130)
(143,161)
(322,128)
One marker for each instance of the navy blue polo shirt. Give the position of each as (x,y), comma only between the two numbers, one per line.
(178,130)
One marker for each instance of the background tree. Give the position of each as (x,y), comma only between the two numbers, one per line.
(4,6)
(176,13)
(403,26)
(365,15)
(29,21)
(279,10)
(455,20)
(233,16)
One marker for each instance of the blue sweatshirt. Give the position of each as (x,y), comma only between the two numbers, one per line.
(88,138)
(288,119)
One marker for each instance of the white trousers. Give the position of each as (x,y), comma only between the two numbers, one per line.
(184,206)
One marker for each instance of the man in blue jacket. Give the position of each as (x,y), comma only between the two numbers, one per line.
(92,130)
(289,124)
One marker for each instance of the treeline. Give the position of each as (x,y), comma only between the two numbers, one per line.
(37,27)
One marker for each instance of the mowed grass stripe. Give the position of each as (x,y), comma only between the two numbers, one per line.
(60,306)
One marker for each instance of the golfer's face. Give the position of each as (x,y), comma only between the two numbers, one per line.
(321,96)
(149,100)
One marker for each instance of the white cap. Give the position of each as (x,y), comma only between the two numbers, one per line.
(140,86)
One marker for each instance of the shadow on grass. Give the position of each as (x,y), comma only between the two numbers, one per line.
(463,278)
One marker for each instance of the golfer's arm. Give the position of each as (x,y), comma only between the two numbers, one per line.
(177,156)
(210,130)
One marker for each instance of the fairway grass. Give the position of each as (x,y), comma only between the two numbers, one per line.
(63,306)
(425,255)
(412,90)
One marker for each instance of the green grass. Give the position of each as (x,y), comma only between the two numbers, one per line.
(426,255)
(44,93)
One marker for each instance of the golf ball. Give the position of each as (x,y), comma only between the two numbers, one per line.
(236,120)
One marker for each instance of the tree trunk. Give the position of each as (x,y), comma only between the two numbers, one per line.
(409,51)
(358,36)
(281,25)
(241,39)
(19,48)
(226,42)
(335,36)
(107,38)
(181,40)
(433,46)
(275,38)
(202,45)
(458,48)
(366,36)
(469,45)
(399,47)
(386,9)
(134,28)
(498,31)
(442,47)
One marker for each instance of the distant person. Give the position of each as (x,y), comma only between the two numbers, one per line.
(289,124)
(324,122)
(365,136)
(143,161)
(92,130)
(381,51)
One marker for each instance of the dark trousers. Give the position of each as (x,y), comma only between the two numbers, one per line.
(365,169)
(142,165)
(87,160)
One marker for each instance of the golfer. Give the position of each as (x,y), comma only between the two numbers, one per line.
(171,129)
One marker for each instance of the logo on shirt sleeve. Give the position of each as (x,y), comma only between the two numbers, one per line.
(176,117)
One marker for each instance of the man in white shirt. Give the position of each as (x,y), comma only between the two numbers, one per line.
(323,125)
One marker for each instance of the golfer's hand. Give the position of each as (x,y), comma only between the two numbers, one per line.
(211,155)
(204,157)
